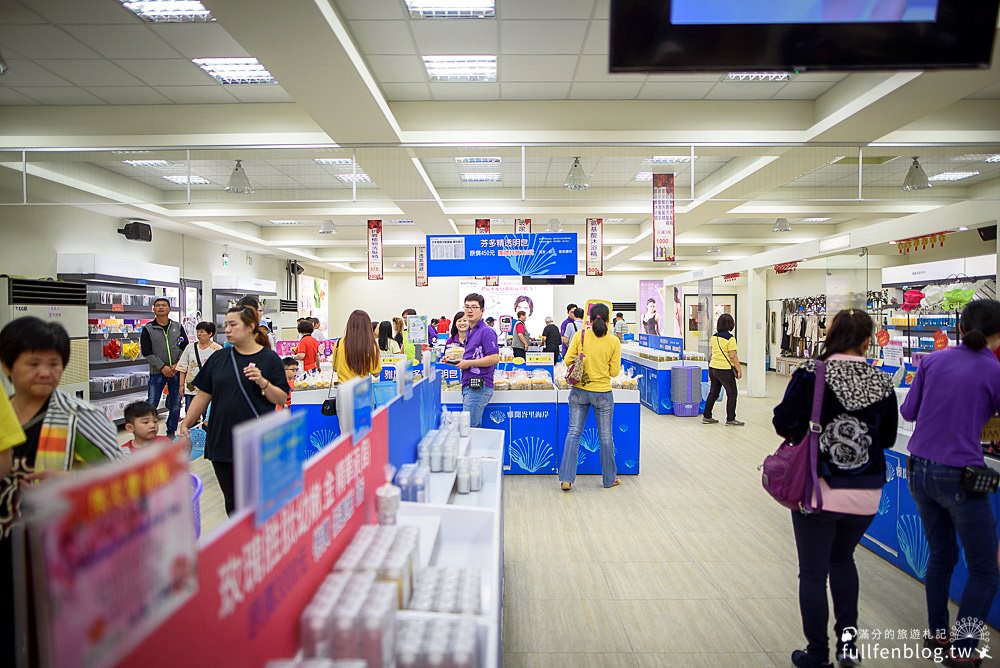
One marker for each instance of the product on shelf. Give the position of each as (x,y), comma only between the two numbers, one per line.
(390,551)
(387,498)
(437,642)
(453,590)
(412,481)
(455,353)
(351,617)
(625,381)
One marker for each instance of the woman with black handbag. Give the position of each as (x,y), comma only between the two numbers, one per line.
(857,422)
(242,383)
(954,394)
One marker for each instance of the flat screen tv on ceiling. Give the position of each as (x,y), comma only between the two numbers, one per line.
(784,35)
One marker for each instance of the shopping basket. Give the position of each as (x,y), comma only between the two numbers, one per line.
(197,436)
(199,486)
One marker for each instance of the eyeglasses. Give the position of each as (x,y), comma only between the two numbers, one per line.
(472,307)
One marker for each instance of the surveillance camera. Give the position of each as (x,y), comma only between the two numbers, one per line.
(864,251)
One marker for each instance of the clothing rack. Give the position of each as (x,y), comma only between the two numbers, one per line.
(803,325)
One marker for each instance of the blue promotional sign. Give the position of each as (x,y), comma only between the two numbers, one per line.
(667,344)
(362,408)
(644,340)
(280,470)
(545,254)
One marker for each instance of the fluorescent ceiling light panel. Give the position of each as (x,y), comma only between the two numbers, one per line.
(477,161)
(452,9)
(484,177)
(169,11)
(614,220)
(766,77)
(977,157)
(835,243)
(147,163)
(461,68)
(953,176)
(814,220)
(235,70)
(670,159)
(342,162)
(184,179)
(360,177)
(285,222)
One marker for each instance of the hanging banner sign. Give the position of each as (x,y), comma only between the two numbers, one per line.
(375,250)
(548,253)
(420,266)
(522,226)
(595,247)
(483,227)
(663,218)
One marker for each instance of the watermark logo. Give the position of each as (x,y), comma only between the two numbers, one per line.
(909,644)
(971,628)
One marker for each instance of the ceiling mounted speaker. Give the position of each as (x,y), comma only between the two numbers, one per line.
(137,231)
(988,233)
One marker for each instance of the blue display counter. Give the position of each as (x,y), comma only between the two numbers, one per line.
(321,429)
(626,434)
(654,381)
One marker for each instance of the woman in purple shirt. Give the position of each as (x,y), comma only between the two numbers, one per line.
(955,393)
(459,331)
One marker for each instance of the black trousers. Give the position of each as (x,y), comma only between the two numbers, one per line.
(825,542)
(722,378)
(227,481)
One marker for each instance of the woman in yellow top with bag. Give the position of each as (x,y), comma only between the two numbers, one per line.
(356,353)
(724,369)
(601,357)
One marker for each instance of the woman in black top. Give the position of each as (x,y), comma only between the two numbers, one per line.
(242,383)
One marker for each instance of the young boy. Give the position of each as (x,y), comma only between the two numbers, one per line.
(291,370)
(142,421)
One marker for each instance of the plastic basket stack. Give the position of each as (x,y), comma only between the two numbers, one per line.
(685,390)
(199,486)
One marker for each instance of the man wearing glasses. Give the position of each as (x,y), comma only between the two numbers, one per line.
(479,360)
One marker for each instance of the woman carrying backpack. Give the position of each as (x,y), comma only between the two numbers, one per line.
(858,422)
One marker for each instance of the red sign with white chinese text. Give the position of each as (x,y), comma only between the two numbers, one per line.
(483,227)
(522,226)
(375,259)
(663,218)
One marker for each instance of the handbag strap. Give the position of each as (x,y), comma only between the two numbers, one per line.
(239,381)
(815,428)
(196,355)
(724,354)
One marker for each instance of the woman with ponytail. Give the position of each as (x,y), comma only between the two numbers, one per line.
(954,394)
(242,383)
(602,361)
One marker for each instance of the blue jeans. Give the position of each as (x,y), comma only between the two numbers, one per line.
(946,508)
(580,402)
(474,401)
(157,381)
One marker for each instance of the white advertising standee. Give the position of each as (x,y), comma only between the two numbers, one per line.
(663,218)
(375,258)
(595,247)
(420,266)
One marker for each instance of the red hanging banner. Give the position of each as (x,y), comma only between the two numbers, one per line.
(420,266)
(522,226)
(483,227)
(595,247)
(663,218)
(375,250)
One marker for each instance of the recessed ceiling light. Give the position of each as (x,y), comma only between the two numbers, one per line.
(893,243)
(614,220)
(184,179)
(713,249)
(644,177)
(461,68)
(147,163)
(359,177)
(328,227)
(814,220)
(473,161)
(485,177)
(452,9)
(403,221)
(963,228)
(235,70)
(759,76)
(169,11)
(977,157)
(670,159)
(285,222)
(342,162)
(953,176)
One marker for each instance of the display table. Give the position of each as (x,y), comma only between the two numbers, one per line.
(321,429)
(626,434)
(654,381)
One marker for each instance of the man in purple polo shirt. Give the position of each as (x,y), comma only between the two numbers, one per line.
(562,327)
(479,360)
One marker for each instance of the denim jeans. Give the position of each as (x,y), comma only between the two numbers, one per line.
(580,402)
(474,401)
(157,381)
(825,543)
(946,508)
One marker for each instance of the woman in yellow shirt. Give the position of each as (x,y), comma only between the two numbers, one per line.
(723,370)
(602,362)
(357,351)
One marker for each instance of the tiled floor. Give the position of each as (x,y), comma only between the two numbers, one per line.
(688,564)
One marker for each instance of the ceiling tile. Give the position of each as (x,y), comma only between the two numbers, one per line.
(602,10)
(683,77)
(200,40)
(398,69)
(383,37)
(10,97)
(197,94)
(61,95)
(125,95)
(595,68)
(814,77)
(123,41)
(15,13)
(549,9)
(406,91)
(90,72)
(537,68)
(534,91)
(744,91)
(28,73)
(803,90)
(371,9)
(465,91)
(167,72)
(543,37)
(605,91)
(597,38)
(988,93)
(694,90)
(259,93)
(455,36)
(74,11)
(38,41)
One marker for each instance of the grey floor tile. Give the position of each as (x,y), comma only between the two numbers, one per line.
(658,580)
(582,626)
(707,660)
(558,660)
(527,580)
(683,626)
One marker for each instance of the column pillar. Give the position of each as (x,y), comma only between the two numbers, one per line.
(757,339)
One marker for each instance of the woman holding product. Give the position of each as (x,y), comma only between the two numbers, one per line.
(386,343)
(858,422)
(356,353)
(242,383)
(602,361)
(459,331)
(954,394)
(724,369)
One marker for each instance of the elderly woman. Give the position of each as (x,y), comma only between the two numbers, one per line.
(62,433)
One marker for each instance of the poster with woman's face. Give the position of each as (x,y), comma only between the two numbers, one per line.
(651,314)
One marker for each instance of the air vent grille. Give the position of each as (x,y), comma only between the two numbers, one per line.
(47,293)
